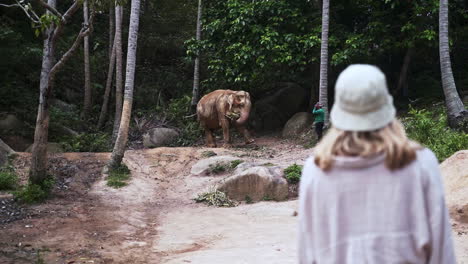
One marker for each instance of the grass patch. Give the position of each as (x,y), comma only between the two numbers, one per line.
(208,153)
(235,163)
(218,168)
(268,164)
(215,198)
(431,129)
(35,193)
(118,177)
(293,173)
(8,179)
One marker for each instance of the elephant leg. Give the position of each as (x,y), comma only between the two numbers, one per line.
(210,141)
(227,138)
(244,131)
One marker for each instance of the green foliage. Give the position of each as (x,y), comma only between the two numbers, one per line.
(215,198)
(87,142)
(248,199)
(218,167)
(189,128)
(208,154)
(235,163)
(118,177)
(35,193)
(431,129)
(293,173)
(8,178)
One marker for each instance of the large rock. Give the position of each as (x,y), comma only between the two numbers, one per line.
(52,147)
(256,183)
(455,173)
(9,123)
(5,151)
(297,124)
(273,111)
(159,137)
(205,167)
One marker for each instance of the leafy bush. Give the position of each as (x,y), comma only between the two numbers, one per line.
(293,173)
(87,142)
(235,163)
(215,198)
(218,167)
(35,193)
(8,179)
(431,130)
(118,177)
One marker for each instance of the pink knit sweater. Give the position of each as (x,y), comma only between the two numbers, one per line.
(361,212)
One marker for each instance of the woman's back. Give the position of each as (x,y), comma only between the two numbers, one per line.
(365,213)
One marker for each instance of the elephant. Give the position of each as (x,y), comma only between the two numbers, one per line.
(221,109)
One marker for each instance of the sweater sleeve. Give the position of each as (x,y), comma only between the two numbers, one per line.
(440,248)
(305,246)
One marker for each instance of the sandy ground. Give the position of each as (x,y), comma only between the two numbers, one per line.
(154,219)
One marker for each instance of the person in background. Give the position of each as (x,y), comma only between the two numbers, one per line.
(318,119)
(369,194)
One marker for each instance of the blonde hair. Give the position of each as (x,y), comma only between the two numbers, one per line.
(390,140)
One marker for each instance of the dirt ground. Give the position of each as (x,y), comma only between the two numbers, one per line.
(154,219)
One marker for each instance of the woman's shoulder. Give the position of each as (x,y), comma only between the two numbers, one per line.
(426,156)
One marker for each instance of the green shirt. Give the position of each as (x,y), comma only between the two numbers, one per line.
(319,115)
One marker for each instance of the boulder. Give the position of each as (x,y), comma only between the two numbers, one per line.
(273,111)
(256,183)
(52,147)
(10,123)
(63,106)
(205,167)
(297,124)
(158,137)
(5,152)
(455,174)
(17,142)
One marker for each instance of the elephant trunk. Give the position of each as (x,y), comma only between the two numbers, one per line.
(244,115)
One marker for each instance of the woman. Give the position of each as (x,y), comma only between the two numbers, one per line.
(369,195)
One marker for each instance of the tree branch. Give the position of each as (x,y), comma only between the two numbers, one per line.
(64,19)
(50,8)
(85,31)
(27,10)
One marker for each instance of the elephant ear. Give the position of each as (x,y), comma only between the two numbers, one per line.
(230,100)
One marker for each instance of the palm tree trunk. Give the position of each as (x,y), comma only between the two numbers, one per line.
(196,71)
(87,88)
(456,113)
(122,136)
(118,71)
(323,88)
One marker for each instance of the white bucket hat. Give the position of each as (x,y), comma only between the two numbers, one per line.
(362,101)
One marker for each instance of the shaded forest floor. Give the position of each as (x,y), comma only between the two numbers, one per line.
(154,219)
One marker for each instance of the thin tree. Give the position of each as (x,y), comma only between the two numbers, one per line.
(87,74)
(323,83)
(196,71)
(118,71)
(457,115)
(122,136)
(54,22)
(110,73)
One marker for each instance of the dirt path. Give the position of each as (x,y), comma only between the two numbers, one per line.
(154,219)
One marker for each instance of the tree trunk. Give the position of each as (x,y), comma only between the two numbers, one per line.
(111,29)
(118,71)
(38,170)
(87,87)
(196,71)
(105,102)
(323,88)
(456,114)
(404,72)
(121,141)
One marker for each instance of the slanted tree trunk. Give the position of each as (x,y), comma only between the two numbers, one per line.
(323,89)
(196,71)
(456,114)
(111,29)
(87,86)
(118,71)
(105,102)
(121,141)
